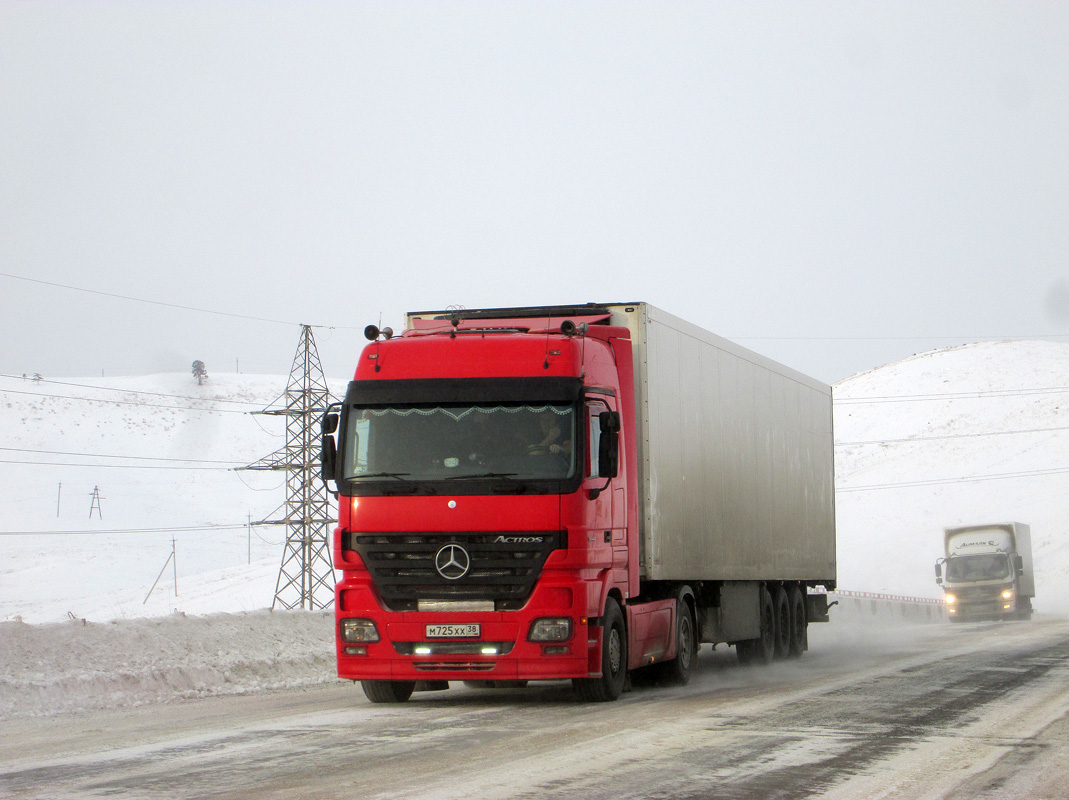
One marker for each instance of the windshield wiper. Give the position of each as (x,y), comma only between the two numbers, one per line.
(401,476)
(480,475)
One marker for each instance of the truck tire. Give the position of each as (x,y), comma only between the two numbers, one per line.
(388,691)
(783,623)
(613,660)
(799,623)
(762,649)
(677,671)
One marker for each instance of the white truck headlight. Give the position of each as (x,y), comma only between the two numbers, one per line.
(950,599)
(359,630)
(551,629)
(1007,594)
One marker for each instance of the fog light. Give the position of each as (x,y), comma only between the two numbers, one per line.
(555,650)
(489,651)
(356,651)
(359,630)
(422,651)
(551,629)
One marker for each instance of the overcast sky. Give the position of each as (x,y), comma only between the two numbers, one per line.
(835,185)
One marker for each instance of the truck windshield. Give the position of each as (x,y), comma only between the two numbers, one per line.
(457,442)
(995,566)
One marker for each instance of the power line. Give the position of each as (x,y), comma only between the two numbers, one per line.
(105,466)
(965,479)
(977,395)
(110,455)
(143,300)
(951,436)
(966,339)
(133,299)
(131,391)
(113,531)
(126,402)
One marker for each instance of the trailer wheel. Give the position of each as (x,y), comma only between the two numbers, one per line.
(799,623)
(677,671)
(388,691)
(762,649)
(613,660)
(783,623)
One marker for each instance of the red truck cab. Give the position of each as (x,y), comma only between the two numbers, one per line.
(487,507)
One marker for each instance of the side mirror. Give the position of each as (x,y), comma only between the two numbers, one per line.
(329,423)
(939,571)
(609,447)
(328,454)
(1019,563)
(608,450)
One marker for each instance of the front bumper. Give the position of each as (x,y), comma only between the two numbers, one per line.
(981,609)
(500,652)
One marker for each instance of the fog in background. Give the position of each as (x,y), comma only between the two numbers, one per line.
(837,185)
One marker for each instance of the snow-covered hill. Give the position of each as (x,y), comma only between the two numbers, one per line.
(971,434)
(160,452)
(967,435)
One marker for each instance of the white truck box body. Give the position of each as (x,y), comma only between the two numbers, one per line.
(736,458)
(1000,537)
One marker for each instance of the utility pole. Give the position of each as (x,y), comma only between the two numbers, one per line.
(94,503)
(306,576)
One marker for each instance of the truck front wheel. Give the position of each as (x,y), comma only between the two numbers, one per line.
(388,691)
(613,660)
(677,671)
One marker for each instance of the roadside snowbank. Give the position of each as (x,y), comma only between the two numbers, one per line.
(82,666)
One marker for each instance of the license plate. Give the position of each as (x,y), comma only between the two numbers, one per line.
(470,631)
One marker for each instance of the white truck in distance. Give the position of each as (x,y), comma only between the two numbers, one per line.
(988,572)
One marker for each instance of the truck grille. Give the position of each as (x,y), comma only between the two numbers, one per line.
(501,566)
(975,601)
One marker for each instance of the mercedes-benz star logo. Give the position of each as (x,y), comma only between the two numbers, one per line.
(452,562)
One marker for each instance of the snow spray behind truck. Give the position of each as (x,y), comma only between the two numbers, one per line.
(573,492)
(988,572)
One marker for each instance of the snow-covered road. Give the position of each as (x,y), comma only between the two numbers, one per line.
(924,711)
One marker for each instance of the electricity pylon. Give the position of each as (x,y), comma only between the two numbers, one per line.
(306,576)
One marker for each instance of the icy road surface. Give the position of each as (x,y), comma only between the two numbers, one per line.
(934,711)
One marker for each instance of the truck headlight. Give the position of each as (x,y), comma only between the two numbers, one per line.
(1008,594)
(551,629)
(359,630)
(950,599)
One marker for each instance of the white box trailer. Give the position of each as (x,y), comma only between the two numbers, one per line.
(736,462)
